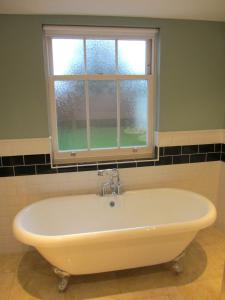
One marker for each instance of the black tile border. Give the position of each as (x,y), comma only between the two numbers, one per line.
(45,169)
(12,160)
(109,165)
(200,157)
(172,150)
(81,168)
(131,164)
(206,148)
(24,170)
(6,171)
(213,156)
(223,148)
(223,156)
(181,159)
(145,163)
(38,164)
(164,160)
(34,159)
(190,149)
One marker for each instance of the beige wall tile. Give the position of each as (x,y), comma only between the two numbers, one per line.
(221,199)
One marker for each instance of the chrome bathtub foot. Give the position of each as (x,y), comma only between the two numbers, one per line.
(63,283)
(176,266)
(64,279)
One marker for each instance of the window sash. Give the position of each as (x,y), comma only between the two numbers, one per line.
(109,153)
(149,65)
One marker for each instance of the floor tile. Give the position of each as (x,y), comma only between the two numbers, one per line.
(201,290)
(35,280)
(174,294)
(6,282)
(100,286)
(143,295)
(9,262)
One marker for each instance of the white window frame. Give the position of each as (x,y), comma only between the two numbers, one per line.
(91,155)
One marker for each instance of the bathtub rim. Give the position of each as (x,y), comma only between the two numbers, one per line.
(39,240)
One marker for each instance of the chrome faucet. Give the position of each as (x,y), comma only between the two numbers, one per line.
(112,185)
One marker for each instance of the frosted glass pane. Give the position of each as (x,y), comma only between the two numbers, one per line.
(71,115)
(68,56)
(133,112)
(103,111)
(100,56)
(132,57)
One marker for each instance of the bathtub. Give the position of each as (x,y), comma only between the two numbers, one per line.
(87,234)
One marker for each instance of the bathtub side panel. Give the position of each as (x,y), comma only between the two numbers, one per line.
(110,256)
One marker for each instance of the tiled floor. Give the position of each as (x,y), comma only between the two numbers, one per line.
(29,277)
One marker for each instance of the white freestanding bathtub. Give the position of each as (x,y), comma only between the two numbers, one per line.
(86,234)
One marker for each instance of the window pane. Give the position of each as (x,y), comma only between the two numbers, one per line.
(132,57)
(100,56)
(71,115)
(68,56)
(133,112)
(103,112)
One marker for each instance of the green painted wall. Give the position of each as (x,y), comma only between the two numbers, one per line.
(192,72)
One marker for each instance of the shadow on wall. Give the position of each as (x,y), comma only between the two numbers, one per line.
(36,278)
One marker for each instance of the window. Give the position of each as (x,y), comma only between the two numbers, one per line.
(101,90)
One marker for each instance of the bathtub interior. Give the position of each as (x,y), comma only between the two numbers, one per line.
(92,213)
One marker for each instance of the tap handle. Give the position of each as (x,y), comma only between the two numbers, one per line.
(100,172)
